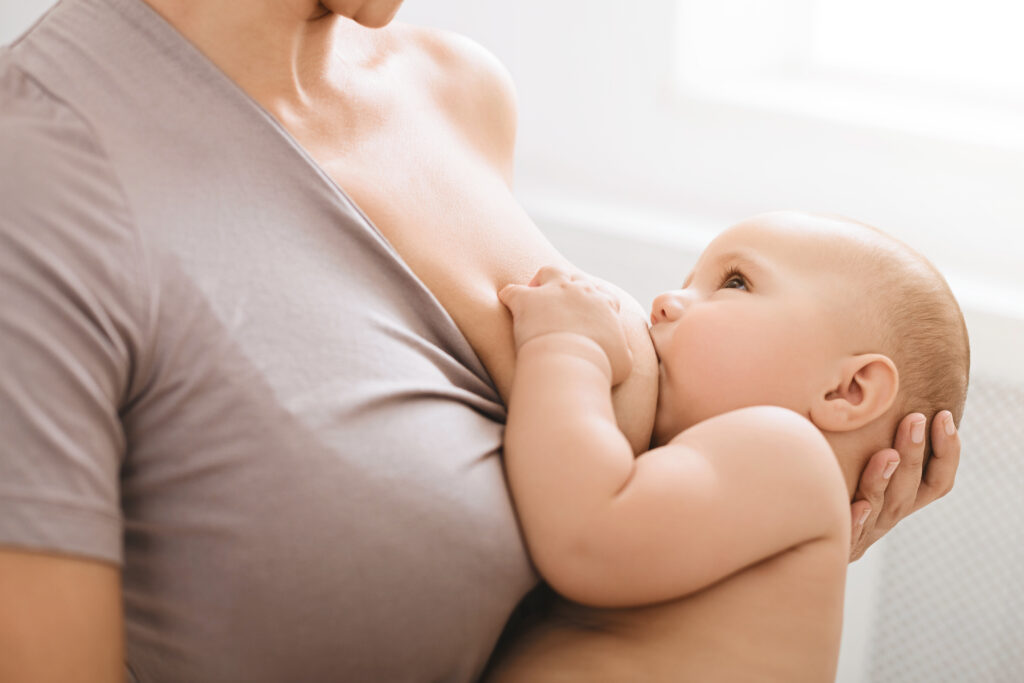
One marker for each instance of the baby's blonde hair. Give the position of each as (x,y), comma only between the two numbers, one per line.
(920,324)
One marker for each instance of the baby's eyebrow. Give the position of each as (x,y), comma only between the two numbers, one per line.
(736,255)
(743,257)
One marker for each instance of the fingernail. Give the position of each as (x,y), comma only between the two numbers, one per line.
(950,427)
(890,468)
(864,516)
(917,432)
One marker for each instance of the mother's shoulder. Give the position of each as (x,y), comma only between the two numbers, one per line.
(451,52)
(466,81)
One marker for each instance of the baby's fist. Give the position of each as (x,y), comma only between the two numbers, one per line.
(559,302)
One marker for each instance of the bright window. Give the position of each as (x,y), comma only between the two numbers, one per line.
(973,46)
(945,68)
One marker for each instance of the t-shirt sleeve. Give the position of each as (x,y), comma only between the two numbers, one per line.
(69,322)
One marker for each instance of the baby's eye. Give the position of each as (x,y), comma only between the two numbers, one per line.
(734,280)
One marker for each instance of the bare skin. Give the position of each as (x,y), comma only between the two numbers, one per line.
(731,532)
(61,619)
(777,621)
(430,211)
(387,160)
(418,127)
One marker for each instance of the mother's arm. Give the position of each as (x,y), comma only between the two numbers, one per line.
(881,502)
(60,619)
(71,316)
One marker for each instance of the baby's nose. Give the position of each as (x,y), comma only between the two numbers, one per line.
(666,308)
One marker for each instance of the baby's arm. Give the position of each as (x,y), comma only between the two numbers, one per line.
(607,529)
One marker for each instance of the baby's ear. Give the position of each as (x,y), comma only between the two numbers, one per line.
(864,390)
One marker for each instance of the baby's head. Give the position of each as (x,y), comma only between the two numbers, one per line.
(823,315)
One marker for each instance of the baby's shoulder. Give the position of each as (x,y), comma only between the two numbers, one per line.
(778,450)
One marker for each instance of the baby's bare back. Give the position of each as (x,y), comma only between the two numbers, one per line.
(779,620)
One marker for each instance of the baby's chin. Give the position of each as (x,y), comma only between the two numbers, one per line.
(668,422)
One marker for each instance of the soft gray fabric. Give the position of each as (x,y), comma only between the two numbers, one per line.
(218,374)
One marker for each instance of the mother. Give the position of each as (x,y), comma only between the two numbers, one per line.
(254,364)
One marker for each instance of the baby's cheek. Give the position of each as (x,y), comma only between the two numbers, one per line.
(719,365)
(734,367)
(724,345)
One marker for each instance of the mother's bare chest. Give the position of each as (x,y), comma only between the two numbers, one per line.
(452,218)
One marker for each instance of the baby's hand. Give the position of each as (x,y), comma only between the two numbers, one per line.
(557,302)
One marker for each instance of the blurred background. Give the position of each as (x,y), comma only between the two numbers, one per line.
(647,127)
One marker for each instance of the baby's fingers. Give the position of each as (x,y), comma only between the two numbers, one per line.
(509,295)
(548,274)
(611,294)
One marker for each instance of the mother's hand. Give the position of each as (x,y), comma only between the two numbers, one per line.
(881,501)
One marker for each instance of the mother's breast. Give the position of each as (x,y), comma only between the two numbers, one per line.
(431,170)
(461,231)
(455,223)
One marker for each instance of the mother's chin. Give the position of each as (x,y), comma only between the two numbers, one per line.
(369,13)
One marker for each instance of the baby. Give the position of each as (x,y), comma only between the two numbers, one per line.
(787,359)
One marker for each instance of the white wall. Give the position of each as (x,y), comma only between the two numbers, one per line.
(599,121)
(17,15)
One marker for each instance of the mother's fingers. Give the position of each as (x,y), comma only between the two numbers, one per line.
(870,500)
(941,468)
(901,494)
(860,512)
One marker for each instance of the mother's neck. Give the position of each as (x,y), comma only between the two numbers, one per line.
(273,49)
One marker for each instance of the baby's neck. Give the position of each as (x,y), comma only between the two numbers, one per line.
(853,450)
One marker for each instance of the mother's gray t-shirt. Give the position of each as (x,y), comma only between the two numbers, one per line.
(219,375)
